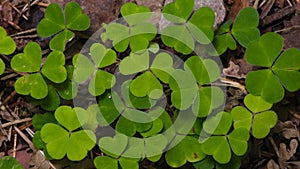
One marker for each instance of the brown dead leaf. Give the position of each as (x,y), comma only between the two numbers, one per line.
(236,7)
(239,69)
(272,165)
(286,153)
(39,161)
(288,130)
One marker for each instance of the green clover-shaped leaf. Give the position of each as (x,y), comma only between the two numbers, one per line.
(264,51)
(138,36)
(134,14)
(70,118)
(39,120)
(113,146)
(217,145)
(139,32)
(198,27)
(245,26)
(8,162)
(84,68)
(287,67)
(269,83)
(2,67)
(184,89)
(100,82)
(74,18)
(30,60)
(102,57)
(205,72)
(60,40)
(220,148)
(33,85)
(135,63)
(59,142)
(54,68)
(7,44)
(187,150)
(107,162)
(260,120)
(110,106)
(146,85)
(56,20)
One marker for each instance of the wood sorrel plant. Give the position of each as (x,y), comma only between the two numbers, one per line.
(153,103)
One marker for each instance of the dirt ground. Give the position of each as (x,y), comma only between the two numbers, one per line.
(279,150)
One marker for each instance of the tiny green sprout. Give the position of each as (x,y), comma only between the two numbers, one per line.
(139,32)
(283,70)
(187,150)
(244,30)
(84,68)
(221,143)
(58,22)
(259,120)
(62,139)
(30,62)
(188,26)
(8,162)
(7,47)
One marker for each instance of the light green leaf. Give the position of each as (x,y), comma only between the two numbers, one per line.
(102,57)
(218,124)
(162,66)
(256,103)
(207,99)
(241,117)
(135,63)
(156,128)
(70,118)
(32,84)
(54,68)
(146,85)
(75,19)
(2,67)
(126,126)
(56,139)
(184,89)
(189,149)
(119,34)
(7,44)
(179,38)
(201,25)
(222,43)
(265,50)
(110,106)
(53,21)
(30,60)
(60,40)
(83,68)
(127,163)
(205,71)
(8,162)
(105,162)
(178,11)
(113,145)
(245,26)
(263,83)
(100,82)
(79,144)
(155,145)
(287,67)
(218,147)
(135,14)
(262,123)
(238,140)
